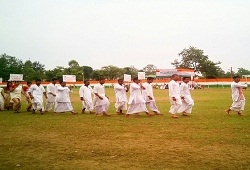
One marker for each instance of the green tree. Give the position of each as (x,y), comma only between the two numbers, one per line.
(150,69)
(131,71)
(112,72)
(87,71)
(97,74)
(9,65)
(75,69)
(195,58)
(242,71)
(57,72)
(29,74)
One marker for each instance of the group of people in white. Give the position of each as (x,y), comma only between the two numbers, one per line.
(96,101)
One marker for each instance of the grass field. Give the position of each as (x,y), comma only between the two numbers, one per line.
(207,139)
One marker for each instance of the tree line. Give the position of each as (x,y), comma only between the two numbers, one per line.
(192,57)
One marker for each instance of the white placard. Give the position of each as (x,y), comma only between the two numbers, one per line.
(1,80)
(127,78)
(141,76)
(69,78)
(16,77)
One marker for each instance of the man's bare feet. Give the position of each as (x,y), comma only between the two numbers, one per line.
(157,113)
(128,116)
(240,114)
(148,114)
(184,114)
(227,111)
(174,116)
(83,111)
(106,114)
(74,113)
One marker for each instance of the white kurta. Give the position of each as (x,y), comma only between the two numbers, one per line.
(100,105)
(63,103)
(238,97)
(51,88)
(174,91)
(136,101)
(121,97)
(86,93)
(37,93)
(187,102)
(148,91)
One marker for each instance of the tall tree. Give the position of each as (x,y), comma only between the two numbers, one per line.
(75,69)
(131,71)
(29,73)
(242,71)
(40,70)
(150,69)
(112,72)
(9,65)
(87,71)
(97,74)
(195,58)
(57,72)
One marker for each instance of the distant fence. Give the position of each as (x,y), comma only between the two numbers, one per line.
(219,82)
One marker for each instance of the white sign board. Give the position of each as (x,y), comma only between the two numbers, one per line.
(16,77)
(1,80)
(69,78)
(127,78)
(141,76)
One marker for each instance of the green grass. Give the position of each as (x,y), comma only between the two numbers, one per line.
(207,139)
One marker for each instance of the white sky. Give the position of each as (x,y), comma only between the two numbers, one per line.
(122,33)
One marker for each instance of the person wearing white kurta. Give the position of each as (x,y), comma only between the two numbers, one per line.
(51,93)
(63,103)
(174,95)
(120,96)
(16,92)
(36,93)
(148,95)
(136,101)
(237,96)
(101,101)
(85,93)
(1,99)
(187,101)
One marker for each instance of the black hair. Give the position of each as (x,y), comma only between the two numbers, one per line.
(235,77)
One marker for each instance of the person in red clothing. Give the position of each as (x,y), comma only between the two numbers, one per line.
(28,99)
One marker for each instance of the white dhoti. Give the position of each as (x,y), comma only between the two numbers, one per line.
(238,106)
(120,106)
(63,107)
(38,106)
(175,105)
(136,108)
(49,105)
(88,105)
(101,106)
(152,106)
(187,104)
(38,103)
